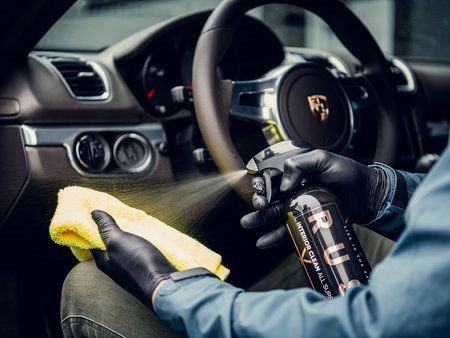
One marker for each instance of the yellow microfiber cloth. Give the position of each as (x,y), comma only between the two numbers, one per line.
(73,226)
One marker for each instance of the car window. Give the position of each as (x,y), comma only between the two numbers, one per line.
(411,28)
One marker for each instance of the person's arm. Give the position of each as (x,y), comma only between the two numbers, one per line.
(401,185)
(402,300)
(407,296)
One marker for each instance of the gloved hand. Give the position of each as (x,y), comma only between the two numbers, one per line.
(360,189)
(131,261)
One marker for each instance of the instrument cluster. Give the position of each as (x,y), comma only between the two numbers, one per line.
(168,63)
(159,75)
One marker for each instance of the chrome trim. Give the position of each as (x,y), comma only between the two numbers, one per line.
(339,64)
(148,153)
(411,85)
(267,87)
(47,136)
(97,68)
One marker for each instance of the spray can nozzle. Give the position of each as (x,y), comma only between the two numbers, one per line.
(268,165)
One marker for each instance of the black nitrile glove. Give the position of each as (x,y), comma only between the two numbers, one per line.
(360,189)
(131,261)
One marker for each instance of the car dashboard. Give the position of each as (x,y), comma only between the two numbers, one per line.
(109,121)
(121,120)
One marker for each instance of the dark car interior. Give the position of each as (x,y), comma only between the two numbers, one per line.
(71,116)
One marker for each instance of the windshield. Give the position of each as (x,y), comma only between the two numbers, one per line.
(411,28)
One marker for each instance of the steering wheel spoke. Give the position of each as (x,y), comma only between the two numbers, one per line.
(255,100)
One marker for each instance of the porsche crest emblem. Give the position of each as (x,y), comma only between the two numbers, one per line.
(319,107)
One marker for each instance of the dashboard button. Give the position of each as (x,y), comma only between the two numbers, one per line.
(92,152)
(132,153)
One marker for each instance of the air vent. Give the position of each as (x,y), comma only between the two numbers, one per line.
(85,80)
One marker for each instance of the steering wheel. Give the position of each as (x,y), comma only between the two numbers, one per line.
(302,101)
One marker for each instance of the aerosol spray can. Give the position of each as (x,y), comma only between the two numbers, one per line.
(326,245)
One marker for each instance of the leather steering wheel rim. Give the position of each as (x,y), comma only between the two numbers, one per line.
(212,96)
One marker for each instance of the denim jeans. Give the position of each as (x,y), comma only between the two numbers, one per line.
(92,305)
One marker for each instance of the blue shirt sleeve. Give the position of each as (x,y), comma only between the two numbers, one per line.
(401,186)
(407,296)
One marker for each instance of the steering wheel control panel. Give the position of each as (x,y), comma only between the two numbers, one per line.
(102,151)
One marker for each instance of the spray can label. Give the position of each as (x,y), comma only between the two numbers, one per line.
(328,249)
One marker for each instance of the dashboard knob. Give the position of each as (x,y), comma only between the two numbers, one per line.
(132,153)
(92,152)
